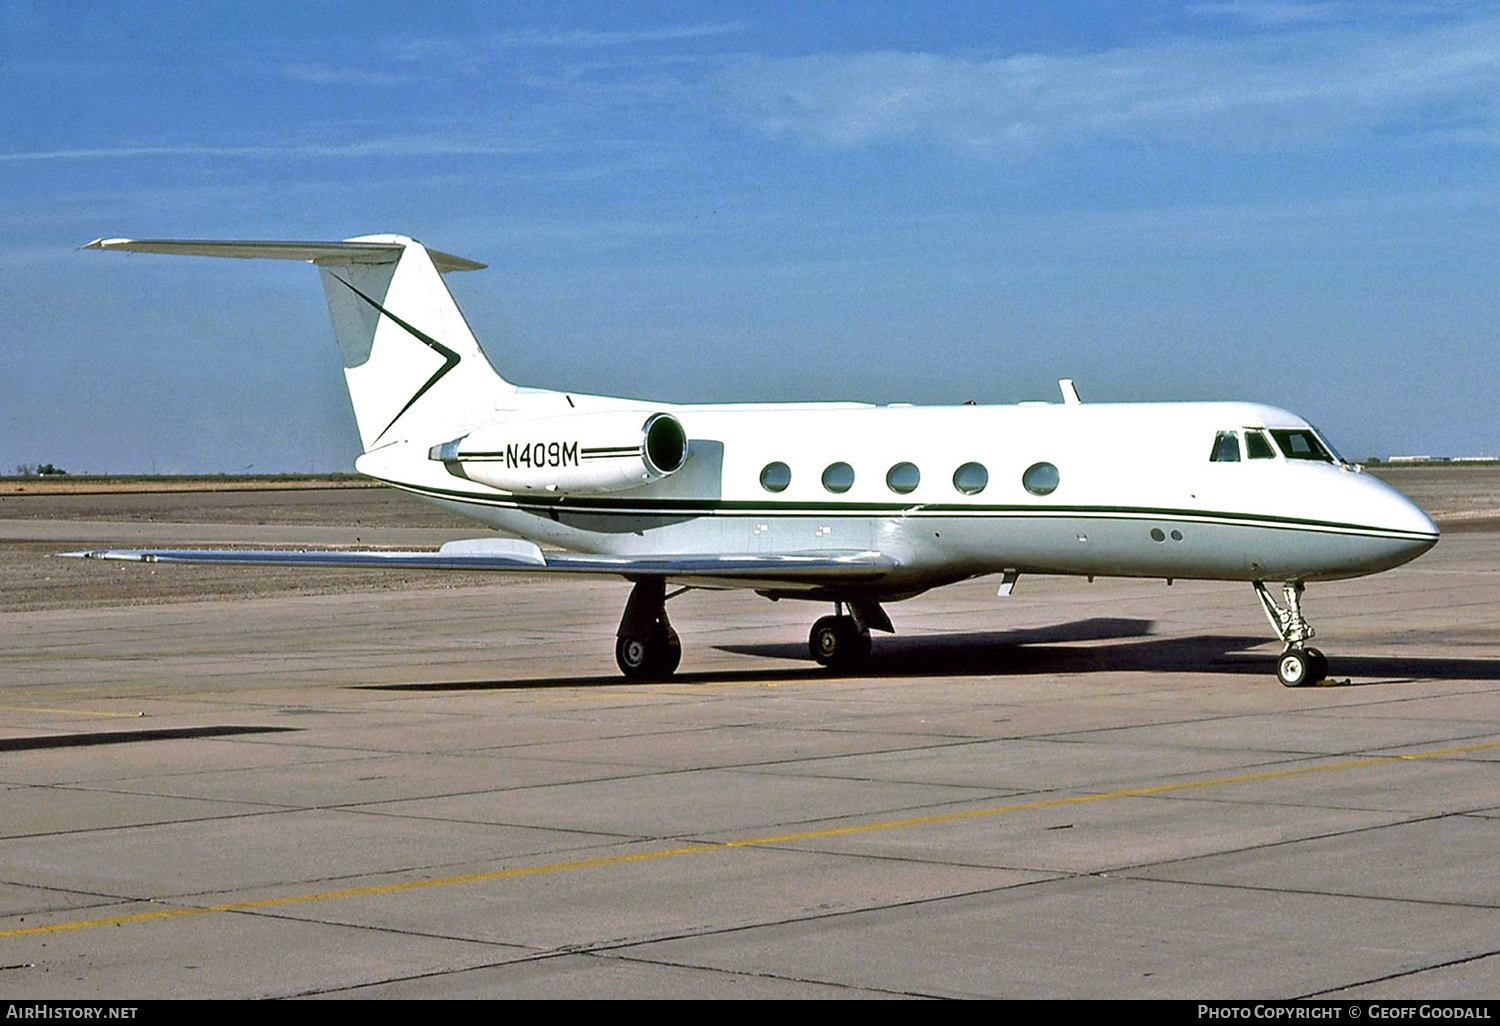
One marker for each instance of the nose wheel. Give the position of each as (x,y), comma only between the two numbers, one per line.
(1300,664)
(1299,667)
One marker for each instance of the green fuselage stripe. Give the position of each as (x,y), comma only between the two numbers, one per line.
(548,505)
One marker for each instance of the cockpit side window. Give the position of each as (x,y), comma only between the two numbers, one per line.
(1258,447)
(1337,457)
(1226,447)
(1299,444)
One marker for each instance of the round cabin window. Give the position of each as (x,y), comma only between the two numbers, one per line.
(838,478)
(903,478)
(775,477)
(971,478)
(1040,479)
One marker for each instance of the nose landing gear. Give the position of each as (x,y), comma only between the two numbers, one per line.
(1300,664)
(1299,667)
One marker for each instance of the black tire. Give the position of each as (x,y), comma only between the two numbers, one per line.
(823,640)
(857,650)
(666,650)
(1295,668)
(653,659)
(1319,671)
(633,656)
(838,643)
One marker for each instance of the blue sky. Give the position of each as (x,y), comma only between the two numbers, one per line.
(1288,202)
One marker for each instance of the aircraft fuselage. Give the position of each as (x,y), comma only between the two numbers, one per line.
(1133,491)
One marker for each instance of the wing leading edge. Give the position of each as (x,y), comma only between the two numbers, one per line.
(516,556)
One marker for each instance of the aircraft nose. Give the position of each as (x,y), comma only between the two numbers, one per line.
(1406,515)
(1410,529)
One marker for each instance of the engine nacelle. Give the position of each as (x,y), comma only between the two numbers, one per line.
(579,454)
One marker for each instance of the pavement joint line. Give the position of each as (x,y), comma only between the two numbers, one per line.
(1140,875)
(521,872)
(1463,960)
(758,974)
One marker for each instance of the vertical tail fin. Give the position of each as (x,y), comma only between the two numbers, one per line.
(411,362)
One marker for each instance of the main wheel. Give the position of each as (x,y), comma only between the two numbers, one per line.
(633,656)
(653,659)
(838,643)
(667,648)
(823,640)
(1295,667)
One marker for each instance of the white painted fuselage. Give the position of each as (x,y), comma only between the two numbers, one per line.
(1136,492)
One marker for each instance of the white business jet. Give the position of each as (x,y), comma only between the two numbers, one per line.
(846,503)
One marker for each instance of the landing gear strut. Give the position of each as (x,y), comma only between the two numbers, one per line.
(646,646)
(1300,664)
(842,641)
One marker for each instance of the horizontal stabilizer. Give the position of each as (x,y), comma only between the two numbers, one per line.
(349,252)
(523,557)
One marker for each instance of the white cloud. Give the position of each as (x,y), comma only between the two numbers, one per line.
(319,75)
(464,54)
(1284,91)
(596,39)
(1277,12)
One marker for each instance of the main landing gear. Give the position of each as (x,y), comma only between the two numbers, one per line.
(842,641)
(646,646)
(1300,664)
(839,642)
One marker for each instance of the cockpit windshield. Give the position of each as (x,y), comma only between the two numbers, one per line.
(1292,443)
(1301,444)
(1226,448)
(1257,446)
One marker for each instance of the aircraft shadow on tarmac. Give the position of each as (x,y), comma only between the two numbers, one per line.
(1118,644)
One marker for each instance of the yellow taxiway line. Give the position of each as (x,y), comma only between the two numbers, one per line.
(71,712)
(750,842)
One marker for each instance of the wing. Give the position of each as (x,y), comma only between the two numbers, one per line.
(785,571)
